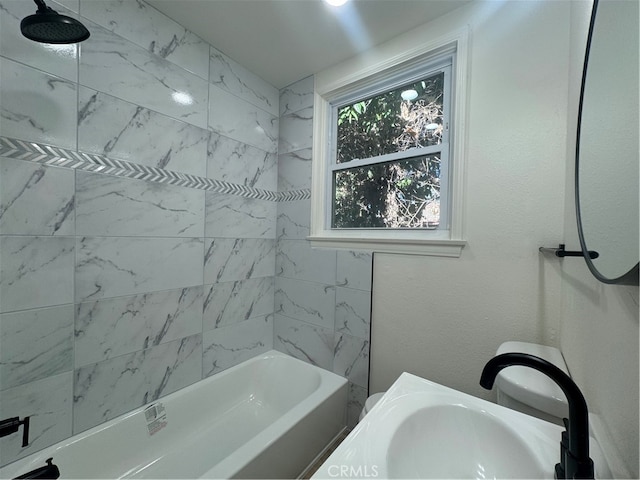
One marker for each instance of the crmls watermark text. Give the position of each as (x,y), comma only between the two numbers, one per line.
(352,471)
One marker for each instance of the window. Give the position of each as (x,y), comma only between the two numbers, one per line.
(389,169)
(388,151)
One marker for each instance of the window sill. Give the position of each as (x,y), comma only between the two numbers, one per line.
(408,244)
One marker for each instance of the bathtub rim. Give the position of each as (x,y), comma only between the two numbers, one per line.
(330,383)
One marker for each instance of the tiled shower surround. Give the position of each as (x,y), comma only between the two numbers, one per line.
(322,296)
(161,238)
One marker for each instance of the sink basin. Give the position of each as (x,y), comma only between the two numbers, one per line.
(457,441)
(420,429)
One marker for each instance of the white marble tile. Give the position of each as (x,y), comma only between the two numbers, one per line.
(296,259)
(125,131)
(115,266)
(354,269)
(60,60)
(117,206)
(233,216)
(35,272)
(306,342)
(35,199)
(356,398)
(48,403)
(229,75)
(294,220)
(115,66)
(229,259)
(297,96)
(296,131)
(35,344)
(111,327)
(353,312)
(307,301)
(104,390)
(352,359)
(238,119)
(233,344)
(294,170)
(145,26)
(233,302)
(71,5)
(37,107)
(237,162)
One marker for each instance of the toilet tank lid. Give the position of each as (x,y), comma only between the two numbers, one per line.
(372,400)
(529,386)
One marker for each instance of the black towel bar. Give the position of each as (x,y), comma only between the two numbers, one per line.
(561,252)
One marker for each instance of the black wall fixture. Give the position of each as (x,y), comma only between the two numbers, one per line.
(48,26)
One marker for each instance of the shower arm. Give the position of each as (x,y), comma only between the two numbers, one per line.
(42,7)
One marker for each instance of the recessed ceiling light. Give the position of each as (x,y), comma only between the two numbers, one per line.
(336,3)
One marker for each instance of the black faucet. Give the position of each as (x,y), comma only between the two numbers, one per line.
(574,446)
(50,470)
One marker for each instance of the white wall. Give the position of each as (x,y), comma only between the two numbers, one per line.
(443,318)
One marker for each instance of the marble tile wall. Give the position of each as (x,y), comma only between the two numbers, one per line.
(120,285)
(116,289)
(322,296)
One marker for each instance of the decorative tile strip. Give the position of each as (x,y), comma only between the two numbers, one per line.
(293,195)
(60,157)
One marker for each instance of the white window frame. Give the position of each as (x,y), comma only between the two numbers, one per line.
(405,77)
(376,72)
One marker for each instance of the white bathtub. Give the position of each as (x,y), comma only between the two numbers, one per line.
(268,417)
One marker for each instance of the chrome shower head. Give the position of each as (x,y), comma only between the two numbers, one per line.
(48,26)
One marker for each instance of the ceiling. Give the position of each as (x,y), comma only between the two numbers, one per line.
(283,41)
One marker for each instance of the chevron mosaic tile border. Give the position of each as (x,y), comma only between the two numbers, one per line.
(294,195)
(60,157)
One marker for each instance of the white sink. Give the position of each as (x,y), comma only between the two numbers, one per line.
(420,429)
(454,440)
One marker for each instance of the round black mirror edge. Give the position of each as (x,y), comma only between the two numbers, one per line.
(632,277)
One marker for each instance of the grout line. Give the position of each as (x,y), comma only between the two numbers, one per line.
(208,95)
(73,295)
(204,217)
(75,233)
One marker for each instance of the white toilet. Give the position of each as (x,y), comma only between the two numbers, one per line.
(522,388)
(529,391)
(368,405)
